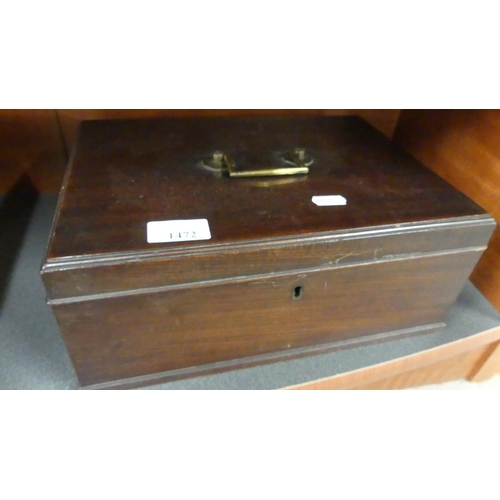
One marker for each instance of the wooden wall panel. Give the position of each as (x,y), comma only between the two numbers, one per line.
(383,119)
(463,147)
(486,274)
(31,148)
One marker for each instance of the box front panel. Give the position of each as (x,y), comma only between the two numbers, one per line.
(332,251)
(133,335)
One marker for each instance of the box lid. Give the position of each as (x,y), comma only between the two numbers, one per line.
(125,174)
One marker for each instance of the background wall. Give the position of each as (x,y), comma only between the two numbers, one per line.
(31,150)
(463,147)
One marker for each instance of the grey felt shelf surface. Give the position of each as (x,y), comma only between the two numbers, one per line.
(33,355)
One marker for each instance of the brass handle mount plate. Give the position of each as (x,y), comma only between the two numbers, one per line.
(294,162)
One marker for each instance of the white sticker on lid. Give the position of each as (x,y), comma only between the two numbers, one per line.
(172,231)
(331,200)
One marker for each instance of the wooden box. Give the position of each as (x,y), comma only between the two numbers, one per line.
(162,265)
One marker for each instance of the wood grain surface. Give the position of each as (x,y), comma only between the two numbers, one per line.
(31,146)
(383,119)
(462,146)
(446,370)
(451,361)
(279,275)
(488,365)
(36,143)
(127,173)
(138,334)
(82,277)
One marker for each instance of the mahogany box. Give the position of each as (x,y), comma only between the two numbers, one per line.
(186,246)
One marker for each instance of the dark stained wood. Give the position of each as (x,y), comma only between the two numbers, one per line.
(384,120)
(83,277)
(134,335)
(31,141)
(126,173)
(462,146)
(272,357)
(279,277)
(31,147)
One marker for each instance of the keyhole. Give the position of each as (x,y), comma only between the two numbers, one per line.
(297,293)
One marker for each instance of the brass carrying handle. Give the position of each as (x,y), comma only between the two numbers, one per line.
(294,162)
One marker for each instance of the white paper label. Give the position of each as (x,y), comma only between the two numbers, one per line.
(171,231)
(329,201)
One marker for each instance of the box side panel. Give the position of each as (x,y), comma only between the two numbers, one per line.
(134,335)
